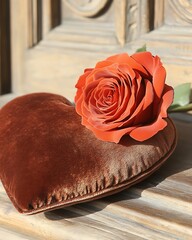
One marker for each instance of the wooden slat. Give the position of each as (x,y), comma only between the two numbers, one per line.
(121,20)
(159,14)
(55,13)
(167,193)
(85,221)
(69,228)
(46,17)
(98,34)
(5,53)
(18,11)
(146,16)
(179,40)
(9,234)
(35,22)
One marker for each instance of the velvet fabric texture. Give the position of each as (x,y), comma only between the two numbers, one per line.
(49,160)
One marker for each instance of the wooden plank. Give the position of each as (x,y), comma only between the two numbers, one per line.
(126,215)
(30,23)
(46,17)
(159,14)
(55,13)
(91,221)
(9,234)
(173,43)
(98,34)
(146,16)
(18,42)
(166,193)
(154,216)
(5,53)
(69,228)
(121,20)
(35,22)
(157,220)
(39,5)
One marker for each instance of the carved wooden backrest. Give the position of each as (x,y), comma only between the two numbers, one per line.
(95,29)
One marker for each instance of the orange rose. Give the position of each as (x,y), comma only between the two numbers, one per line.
(124,95)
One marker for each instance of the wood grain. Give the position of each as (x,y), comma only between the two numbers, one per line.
(159,14)
(86,41)
(5,50)
(18,42)
(14,235)
(46,17)
(121,20)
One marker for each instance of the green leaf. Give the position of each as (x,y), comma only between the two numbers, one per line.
(185,108)
(182,94)
(142,49)
(181,101)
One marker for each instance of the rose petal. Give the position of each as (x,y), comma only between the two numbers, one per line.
(95,124)
(145,132)
(159,80)
(144,116)
(124,58)
(97,73)
(127,71)
(140,89)
(167,99)
(82,79)
(81,84)
(155,68)
(120,92)
(112,136)
(110,84)
(123,108)
(146,101)
(103,64)
(146,59)
(78,101)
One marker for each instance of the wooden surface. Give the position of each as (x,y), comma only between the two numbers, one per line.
(158,208)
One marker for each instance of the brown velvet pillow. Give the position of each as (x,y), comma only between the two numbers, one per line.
(48,160)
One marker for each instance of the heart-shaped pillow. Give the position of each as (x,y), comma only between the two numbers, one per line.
(49,160)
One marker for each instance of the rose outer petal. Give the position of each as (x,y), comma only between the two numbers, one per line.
(159,81)
(78,101)
(82,79)
(124,58)
(145,59)
(111,135)
(155,68)
(167,99)
(145,132)
(159,77)
(146,101)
